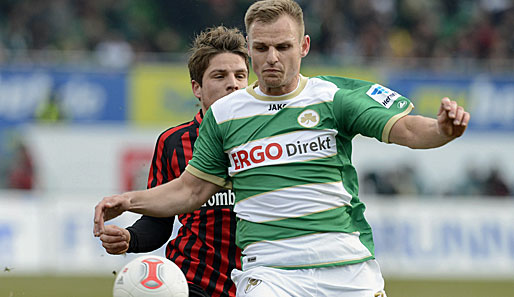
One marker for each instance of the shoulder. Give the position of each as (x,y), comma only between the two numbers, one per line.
(337,87)
(230,105)
(177,131)
(345,83)
(230,99)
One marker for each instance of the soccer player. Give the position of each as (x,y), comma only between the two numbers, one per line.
(205,247)
(284,145)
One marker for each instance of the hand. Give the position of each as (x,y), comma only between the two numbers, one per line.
(109,208)
(452,119)
(115,240)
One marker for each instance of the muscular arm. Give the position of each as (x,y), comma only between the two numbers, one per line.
(182,195)
(420,132)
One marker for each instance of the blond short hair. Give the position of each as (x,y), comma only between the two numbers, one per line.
(267,11)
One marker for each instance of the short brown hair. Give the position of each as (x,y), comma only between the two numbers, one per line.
(267,11)
(213,41)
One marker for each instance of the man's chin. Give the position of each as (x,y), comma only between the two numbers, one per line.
(272,82)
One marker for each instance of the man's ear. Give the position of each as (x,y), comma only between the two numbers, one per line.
(197,89)
(306,45)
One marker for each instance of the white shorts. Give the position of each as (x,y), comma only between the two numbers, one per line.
(355,280)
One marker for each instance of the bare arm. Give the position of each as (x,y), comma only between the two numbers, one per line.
(420,132)
(181,195)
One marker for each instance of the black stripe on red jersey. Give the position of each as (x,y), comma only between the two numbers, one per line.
(209,229)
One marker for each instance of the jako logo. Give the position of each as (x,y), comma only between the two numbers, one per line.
(308,118)
(274,151)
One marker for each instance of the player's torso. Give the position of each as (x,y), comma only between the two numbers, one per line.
(287,176)
(289,161)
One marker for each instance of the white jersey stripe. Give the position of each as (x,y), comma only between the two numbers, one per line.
(293,202)
(245,104)
(331,248)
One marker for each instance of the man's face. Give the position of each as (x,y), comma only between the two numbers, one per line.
(276,50)
(226,73)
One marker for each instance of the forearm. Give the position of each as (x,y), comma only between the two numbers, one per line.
(418,132)
(182,195)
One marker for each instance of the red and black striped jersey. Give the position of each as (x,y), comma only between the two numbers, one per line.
(205,246)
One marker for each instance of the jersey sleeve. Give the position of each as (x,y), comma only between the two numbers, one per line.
(148,234)
(370,110)
(209,160)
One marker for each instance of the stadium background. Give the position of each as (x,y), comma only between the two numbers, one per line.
(87,86)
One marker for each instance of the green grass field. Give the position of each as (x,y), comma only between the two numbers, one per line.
(52,286)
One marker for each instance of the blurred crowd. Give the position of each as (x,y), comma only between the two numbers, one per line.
(406,181)
(478,29)
(121,31)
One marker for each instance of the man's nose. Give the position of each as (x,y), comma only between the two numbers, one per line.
(272,56)
(232,83)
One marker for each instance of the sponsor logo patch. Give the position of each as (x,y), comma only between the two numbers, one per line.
(382,95)
(285,148)
(221,199)
(244,158)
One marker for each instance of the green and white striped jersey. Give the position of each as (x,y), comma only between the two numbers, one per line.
(288,159)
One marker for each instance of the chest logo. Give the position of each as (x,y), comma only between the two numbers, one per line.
(308,118)
(277,106)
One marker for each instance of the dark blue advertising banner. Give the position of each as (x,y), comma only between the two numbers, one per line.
(53,94)
(489,99)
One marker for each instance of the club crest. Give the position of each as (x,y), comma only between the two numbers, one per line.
(308,118)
